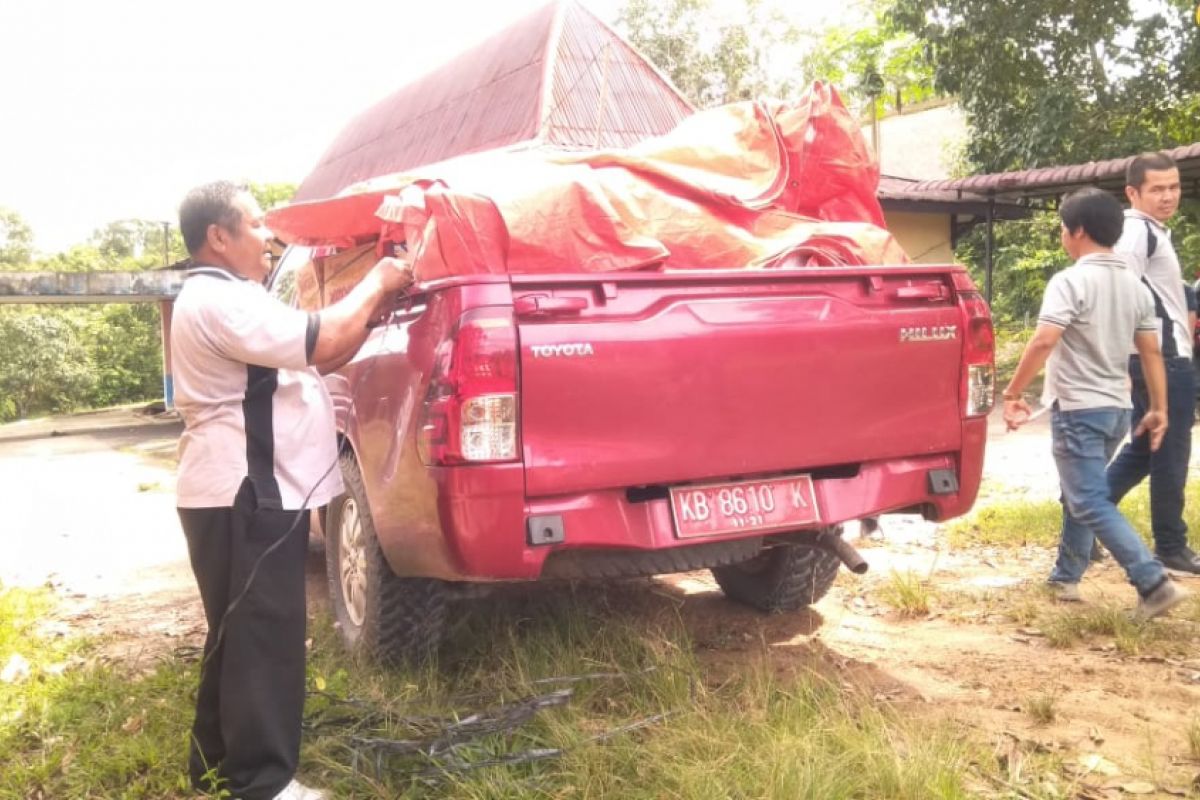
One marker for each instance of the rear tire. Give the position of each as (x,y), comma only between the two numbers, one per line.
(784,577)
(379,614)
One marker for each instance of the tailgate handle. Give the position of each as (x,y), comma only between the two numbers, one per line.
(929,291)
(541,305)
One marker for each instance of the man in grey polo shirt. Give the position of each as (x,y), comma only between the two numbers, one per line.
(1152,186)
(1091,314)
(258,450)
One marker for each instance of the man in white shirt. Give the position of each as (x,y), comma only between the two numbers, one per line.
(258,450)
(1152,186)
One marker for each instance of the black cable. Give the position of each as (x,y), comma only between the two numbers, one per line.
(233,604)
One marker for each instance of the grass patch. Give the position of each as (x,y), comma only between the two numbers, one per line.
(1015,523)
(75,727)
(753,733)
(1068,625)
(1193,739)
(908,593)
(1008,524)
(711,731)
(1043,708)
(1066,628)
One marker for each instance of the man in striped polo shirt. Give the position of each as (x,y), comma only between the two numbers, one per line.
(1153,189)
(258,450)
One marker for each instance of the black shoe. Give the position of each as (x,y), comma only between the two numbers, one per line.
(1098,553)
(1184,560)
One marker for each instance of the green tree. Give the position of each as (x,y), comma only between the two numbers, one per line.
(79,258)
(1047,82)
(1027,253)
(61,358)
(124,349)
(132,245)
(43,364)
(270,195)
(713,60)
(872,61)
(16,241)
(1051,81)
(122,246)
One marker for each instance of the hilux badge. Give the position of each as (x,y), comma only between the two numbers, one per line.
(937,333)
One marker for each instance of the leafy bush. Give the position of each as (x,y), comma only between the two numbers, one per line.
(43,363)
(55,359)
(125,354)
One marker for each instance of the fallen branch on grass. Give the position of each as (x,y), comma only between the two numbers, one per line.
(535,754)
(446,743)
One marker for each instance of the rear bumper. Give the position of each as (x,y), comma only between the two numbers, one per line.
(484,514)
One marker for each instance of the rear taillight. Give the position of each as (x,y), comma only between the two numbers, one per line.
(470,412)
(979,349)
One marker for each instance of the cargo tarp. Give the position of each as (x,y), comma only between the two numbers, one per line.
(745,185)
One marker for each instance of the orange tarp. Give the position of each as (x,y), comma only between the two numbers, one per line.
(745,185)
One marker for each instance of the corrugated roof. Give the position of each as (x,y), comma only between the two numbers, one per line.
(906,194)
(558,76)
(1052,181)
(603,92)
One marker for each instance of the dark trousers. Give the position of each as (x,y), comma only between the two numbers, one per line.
(250,701)
(1167,466)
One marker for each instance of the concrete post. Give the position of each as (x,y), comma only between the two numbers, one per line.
(165,307)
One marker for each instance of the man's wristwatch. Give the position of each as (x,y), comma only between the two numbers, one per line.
(1010,396)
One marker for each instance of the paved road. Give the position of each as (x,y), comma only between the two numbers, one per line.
(89,502)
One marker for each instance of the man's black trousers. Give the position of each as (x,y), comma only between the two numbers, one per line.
(250,701)
(1168,465)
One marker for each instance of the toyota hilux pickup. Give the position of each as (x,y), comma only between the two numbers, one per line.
(594,426)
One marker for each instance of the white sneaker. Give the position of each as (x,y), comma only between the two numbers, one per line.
(1065,592)
(298,791)
(1160,601)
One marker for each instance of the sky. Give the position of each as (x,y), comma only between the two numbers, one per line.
(113,110)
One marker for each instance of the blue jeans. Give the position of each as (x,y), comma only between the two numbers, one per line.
(1084,441)
(1167,466)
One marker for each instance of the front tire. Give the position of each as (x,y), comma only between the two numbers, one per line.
(379,614)
(784,577)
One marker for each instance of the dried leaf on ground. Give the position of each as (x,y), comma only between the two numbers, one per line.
(1094,762)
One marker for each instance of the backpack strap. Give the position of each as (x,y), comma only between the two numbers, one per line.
(1169,348)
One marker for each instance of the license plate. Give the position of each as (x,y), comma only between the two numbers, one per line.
(719,508)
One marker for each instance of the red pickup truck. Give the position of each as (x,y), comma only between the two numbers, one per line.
(528,427)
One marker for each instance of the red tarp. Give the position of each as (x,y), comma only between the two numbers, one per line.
(751,184)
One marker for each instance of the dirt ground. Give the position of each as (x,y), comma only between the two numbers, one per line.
(94,518)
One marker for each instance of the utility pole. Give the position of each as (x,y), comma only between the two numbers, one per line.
(165,307)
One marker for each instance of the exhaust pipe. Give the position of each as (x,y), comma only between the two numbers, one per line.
(830,539)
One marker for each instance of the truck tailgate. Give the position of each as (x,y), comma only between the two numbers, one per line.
(663,379)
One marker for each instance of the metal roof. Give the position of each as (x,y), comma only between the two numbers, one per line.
(904,194)
(1047,182)
(558,76)
(603,93)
